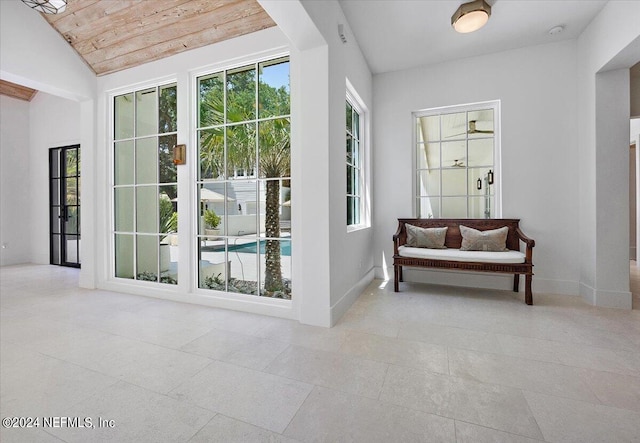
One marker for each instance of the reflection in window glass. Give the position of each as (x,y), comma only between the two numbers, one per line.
(455,162)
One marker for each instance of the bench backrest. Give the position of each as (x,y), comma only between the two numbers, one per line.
(454,238)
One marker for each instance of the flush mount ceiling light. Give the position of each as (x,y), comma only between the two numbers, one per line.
(47,6)
(471,16)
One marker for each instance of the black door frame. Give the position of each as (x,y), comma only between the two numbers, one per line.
(59,209)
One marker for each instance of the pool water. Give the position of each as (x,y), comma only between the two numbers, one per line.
(250,248)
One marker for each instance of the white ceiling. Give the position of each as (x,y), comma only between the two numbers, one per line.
(402,34)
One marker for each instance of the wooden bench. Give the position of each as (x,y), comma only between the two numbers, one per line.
(454,259)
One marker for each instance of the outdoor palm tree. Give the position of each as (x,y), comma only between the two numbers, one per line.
(273,156)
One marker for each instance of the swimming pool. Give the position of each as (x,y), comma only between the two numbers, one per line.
(250,248)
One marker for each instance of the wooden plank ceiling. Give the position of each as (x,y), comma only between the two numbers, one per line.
(16,91)
(112,35)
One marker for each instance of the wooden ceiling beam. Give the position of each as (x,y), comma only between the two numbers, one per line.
(17,91)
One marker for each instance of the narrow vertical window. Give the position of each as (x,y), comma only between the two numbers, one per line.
(356,161)
(145,185)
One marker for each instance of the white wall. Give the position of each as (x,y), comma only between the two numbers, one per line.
(351,258)
(536,86)
(15,235)
(45,133)
(610,42)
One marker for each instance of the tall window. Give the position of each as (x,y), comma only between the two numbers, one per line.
(145,185)
(356,161)
(354,166)
(244,183)
(455,162)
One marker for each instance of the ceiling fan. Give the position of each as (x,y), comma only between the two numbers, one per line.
(472,130)
(457,164)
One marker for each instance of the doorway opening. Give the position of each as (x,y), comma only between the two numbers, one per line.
(64,206)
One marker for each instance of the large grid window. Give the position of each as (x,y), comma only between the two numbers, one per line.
(355,174)
(244,183)
(455,162)
(145,185)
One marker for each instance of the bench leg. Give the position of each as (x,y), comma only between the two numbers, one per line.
(400,276)
(516,282)
(528,296)
(396,277)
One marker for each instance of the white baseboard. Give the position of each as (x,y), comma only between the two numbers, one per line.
(345,302)
(606,299)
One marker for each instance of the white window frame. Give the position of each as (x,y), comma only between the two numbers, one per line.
(364,156)
(497,171)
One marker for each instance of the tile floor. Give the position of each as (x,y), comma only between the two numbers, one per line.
(430,364)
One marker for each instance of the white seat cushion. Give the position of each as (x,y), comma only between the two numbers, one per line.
(458,255)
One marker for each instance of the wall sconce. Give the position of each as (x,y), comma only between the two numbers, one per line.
(179,154)
(47,6)
(479,185)
(490,177)
(471,16)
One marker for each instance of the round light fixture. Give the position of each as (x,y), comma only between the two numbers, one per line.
(471,16)
(556,30)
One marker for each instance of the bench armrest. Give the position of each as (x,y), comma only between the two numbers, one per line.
(396,239)
(529,242)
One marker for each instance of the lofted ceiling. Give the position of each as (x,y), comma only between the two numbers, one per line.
(112,35)
(401,34)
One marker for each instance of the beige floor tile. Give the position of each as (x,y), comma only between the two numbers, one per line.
(138,416)
(563,420)
(549,378)
(26,435)
(332,370)
(620,391)
(264,400)
(450,336)
(295,333)
(357,419)
(239,349)
(470,433)
(414,354)
(493,406)
(223,429)
(33,384)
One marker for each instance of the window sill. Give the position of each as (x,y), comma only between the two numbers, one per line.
(354,228)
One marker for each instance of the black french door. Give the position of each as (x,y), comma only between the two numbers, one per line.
(64,203)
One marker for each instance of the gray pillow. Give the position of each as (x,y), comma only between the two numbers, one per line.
(474,240)
(432,238)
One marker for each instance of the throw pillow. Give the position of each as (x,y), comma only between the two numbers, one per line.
(494,240)
(432,238)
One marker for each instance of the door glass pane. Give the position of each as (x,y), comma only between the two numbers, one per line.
(71,162)
(212,209)
(243,265)
(167,214)
(124,121)
(147,253)
(146,112)
(454,207)
(147,209)
(123,209)
(123,159)
(428,182)
(454,154)
(54,156)
(124,255)
(481,152)
(72,191)
(273,94)
(71,223)
(480,123)
(241,148)
(55,191)
(168,109)
(275,148)
(55,220)
(147,160)
(241,94)
(275,268)
(56,258)
(212,271)
(71,249)
(168,171)
(454,126)
(211,99)
(212,154)
(275,212)
(454,181)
